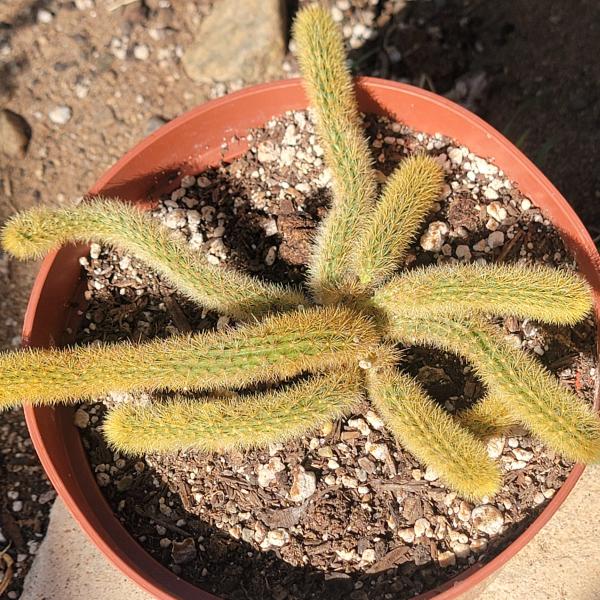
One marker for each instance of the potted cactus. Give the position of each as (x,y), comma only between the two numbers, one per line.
(339,339)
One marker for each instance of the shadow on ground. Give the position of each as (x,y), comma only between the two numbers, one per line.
(525,67)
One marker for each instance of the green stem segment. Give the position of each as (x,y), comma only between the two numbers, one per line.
(34,233)
(432,435)
(330,90)
(533,397)
(277,348)
(407,198)
(488,417)
(541,293)
(226,424)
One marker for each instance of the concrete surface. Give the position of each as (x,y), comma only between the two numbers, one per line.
(69,567)
(561,563)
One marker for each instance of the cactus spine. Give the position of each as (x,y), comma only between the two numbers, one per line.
(524,292)
(432,435)
(277,348)
(331,93)
(34,233)
(225,424)
(406,199)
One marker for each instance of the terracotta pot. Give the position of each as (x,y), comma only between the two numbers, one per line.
(186,146)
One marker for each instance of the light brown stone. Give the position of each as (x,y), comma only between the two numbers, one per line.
(238,40)
(14,134)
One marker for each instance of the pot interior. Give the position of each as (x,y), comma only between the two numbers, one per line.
(188,145)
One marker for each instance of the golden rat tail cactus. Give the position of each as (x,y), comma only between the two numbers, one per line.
(220,424)
(331,93)
(532,396)
(277,348)
(488,417)
(432,435)
(363,305)
(34,233)
(504,290)
(407,198)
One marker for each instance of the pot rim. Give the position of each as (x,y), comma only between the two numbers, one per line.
(164,583)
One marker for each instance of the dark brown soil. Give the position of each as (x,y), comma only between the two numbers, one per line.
(377,522)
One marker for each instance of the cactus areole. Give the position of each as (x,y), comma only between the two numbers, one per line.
(347,341)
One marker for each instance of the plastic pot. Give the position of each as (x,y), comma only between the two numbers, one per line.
(186,146)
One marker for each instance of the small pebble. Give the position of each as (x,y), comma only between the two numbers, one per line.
(325,452)
(455,155)
(183,552)
(44,16)
(304,484)
(524,455)
(271,256)
(407,535)
(346,555)
(268,473)
(95,251)
(464,511)
(368,556)
(103,479)
(461,550)
(266,152)
(433,239)
(463,252)
(60,115)
(446,559)
(495,446)
(449,498)
(176,219)
(487,518)
(360,425)
(141,52)
(430,475)
(270,227)
(421,526)
(374,421)
(492,194)
(496,210)
(81,419)
(277,538)
(46,497)
(378,451)
(516,465)
(478,545)
(495,239)
(349,482)
(480,246)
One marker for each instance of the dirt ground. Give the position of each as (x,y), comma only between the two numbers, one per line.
(93,77)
